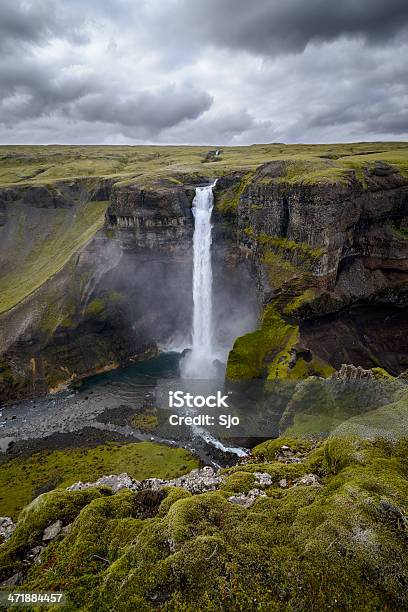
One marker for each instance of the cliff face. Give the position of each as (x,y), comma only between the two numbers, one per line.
(120,293)
(98,273)
(352,229)
(321,249)
(103,302)
(159,219)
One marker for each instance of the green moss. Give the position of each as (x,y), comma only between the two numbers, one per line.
(173,494)
(145,421)
(279,270)
(269,449)
(303,251)
(299,301)
(247,358)
(228,200)
(381,374)
(340,453)
(239,482)
(22,479)
(43,511)
(341,545)
(270,351)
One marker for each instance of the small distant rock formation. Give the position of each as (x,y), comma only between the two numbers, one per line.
(198,481)
(214,155)
(115,482)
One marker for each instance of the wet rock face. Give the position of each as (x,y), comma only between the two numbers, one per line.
(366,335)
(146,219)
(341,222)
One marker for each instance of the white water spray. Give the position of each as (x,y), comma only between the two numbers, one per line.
(199,363)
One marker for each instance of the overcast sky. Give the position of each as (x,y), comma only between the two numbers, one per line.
(203,71)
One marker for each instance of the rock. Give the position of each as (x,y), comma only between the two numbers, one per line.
(115,482)
(7,526)
(34,556)
(263,478)
(65,530)
(246,499)
(287,455)
(197,481)
(309,480)
(283,483)
(153,483)
(14,580)
(52,531)
(350,372)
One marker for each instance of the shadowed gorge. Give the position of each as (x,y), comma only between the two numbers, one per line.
(311,230)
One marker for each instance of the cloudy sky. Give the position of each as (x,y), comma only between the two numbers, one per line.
(203,71)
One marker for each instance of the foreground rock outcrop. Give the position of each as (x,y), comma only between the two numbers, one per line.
(271,533)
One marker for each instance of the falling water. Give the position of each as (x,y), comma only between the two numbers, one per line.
(199,362)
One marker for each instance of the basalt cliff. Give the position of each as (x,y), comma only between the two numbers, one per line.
(96,270)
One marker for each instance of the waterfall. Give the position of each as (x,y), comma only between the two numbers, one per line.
(199,362)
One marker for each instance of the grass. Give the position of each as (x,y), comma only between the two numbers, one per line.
(147,164)
(23,479)
(42,245)
(389,421)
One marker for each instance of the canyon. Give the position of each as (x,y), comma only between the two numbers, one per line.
(310,262)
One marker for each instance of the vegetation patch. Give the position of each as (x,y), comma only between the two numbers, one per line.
(22,479)
(145,420)
(172,550)
(57,235)
(271,352)
(228,199)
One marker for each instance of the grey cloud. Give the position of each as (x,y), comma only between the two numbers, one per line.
(35,21)
(32,91)
(152,111)
(275,26)
(169,71)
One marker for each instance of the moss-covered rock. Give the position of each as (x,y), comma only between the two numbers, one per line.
(340,545)
(273,352)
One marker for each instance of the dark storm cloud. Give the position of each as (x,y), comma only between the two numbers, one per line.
(152,111)
(30,91)
(34,21)
(275,26)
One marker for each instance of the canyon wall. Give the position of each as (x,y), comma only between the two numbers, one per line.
(332,265)
(98,274)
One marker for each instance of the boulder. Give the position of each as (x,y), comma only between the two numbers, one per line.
(246,499)
(53,531)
